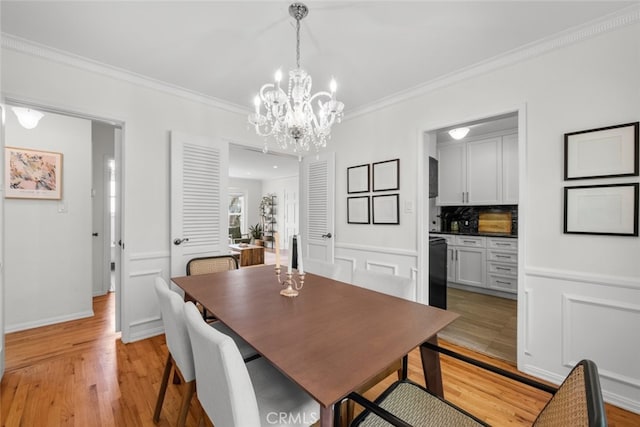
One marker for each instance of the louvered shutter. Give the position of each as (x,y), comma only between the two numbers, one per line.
(318,216)
(199,199)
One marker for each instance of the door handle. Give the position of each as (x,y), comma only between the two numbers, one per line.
(94,234)
(327,236)
(179,241)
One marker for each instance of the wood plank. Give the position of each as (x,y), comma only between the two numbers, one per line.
(80,372)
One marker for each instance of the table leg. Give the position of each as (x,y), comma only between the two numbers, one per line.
(431,368)
(326,416)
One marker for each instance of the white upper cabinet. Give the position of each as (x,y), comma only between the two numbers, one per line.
(510,169)
(452,173)
(480,172)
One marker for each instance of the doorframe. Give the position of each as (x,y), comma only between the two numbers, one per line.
(119,144)
(423,220)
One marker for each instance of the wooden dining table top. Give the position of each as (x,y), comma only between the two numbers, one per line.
(330,339)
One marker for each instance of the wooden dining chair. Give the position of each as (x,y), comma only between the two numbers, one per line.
(235,394)
(205,265)
(577,402)
(180,357)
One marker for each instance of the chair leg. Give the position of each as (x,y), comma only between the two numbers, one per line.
(163,388)
(190,388)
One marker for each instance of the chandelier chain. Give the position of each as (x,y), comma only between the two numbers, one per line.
(298,42)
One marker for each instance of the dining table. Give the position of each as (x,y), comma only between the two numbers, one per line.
(331,339)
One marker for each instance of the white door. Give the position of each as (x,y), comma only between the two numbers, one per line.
(317,184)
(291,223)
(199,198)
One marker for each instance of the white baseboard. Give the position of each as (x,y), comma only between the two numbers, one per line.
(48,321)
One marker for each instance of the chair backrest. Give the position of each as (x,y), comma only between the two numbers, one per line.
(224,386)
(175,329)
(390,284)
(235,233)
(322,268)
(578,401)
(211,264)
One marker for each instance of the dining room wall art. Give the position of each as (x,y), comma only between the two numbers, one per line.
(358,179)
(386,209)
(32,174)
(602,153)
(386,175)
(601,209)
(358,210)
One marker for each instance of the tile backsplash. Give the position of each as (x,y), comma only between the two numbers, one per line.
(467,217)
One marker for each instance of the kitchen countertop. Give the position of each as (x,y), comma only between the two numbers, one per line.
(459,233)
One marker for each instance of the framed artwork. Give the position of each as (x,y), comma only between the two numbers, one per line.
(358,179)
(601,209)
(386,175)
(386,209)
(32,174)
(358,210)
(601,153)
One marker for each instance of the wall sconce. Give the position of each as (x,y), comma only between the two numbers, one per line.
(27,117)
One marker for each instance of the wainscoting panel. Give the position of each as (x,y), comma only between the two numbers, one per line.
(570,316)
(399,262)
(143,316)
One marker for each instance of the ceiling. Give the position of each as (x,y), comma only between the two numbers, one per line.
(250,163)
(226,50)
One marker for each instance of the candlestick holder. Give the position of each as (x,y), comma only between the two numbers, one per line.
(292,286)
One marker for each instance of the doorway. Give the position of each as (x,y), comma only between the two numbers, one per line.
(61,280)
(481,288)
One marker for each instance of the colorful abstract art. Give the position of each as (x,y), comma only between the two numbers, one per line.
(32,174)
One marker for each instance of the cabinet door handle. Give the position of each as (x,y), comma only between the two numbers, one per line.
(503,269)
(502,244)
(502,256)
(467,193)
(463,197)
(503,283)
(456,254)
(469,241)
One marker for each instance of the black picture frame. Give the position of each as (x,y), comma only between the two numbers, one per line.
(386,175)
(358,179)
(386,209)
(358,210)
(593,209)
(591,153)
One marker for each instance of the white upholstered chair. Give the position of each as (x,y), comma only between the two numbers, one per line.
(235,394)
(322,268)
(180,356)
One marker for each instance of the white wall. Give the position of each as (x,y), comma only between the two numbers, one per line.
(102,138)
(48,261)
(579,295)
(252,188)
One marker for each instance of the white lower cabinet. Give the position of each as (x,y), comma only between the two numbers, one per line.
(483,262)
(502,264)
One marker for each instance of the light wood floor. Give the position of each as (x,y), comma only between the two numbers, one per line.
(80,374)
(486,324)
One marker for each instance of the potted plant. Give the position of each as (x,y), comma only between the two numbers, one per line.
(256,234)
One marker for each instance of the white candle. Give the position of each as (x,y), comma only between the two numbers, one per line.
(290,254)
(300,269)
(276,237)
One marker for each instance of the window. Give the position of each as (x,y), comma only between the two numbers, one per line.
(236,211)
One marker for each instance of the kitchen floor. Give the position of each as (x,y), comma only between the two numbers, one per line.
(487,324)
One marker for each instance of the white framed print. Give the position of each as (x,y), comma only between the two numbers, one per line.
(358,210)
(386,209)
(601,209)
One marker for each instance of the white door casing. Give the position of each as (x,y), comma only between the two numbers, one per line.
(317,192)
(199,197)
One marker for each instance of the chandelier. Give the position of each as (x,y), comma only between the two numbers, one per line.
(290,116)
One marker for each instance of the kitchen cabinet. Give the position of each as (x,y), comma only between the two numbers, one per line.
(479,172)
(466,260)
(502,264)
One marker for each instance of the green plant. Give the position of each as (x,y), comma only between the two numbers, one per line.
(255,231)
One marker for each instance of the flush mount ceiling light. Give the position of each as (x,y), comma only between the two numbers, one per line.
(458,133)
(27,117)
(290,116)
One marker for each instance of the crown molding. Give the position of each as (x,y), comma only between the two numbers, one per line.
(622,18)
(39,50)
